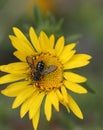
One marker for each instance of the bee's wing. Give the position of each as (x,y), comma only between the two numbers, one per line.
(30,61)
(49,69)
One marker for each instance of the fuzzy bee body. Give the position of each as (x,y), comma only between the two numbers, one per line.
(39,71)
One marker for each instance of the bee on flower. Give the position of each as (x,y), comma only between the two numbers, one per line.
(44,72)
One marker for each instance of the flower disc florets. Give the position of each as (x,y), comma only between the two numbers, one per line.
(48,81)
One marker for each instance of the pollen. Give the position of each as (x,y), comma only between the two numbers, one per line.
(52,80)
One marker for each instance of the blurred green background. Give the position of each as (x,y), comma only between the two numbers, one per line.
(83,20)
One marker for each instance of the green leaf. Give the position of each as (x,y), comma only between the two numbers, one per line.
(38,15)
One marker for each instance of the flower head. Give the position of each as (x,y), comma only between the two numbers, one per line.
(43,73)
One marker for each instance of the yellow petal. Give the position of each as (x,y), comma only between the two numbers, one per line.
(64,93)
(59,46)
(69,47)
(67,56)
(75,64)
(22,37)
(20,55)
(48,108)
(14,89)
(35,119)
(65,53)
(21,45)
(51,41)
(51,45)
(17,67)
(34,107)
(62,97)
(75,87)
(82,57)
(11,78)
(73,77)
(24,108)
(74,107)
(77,60)
(54,100)
(26,105)
(34,39)
(44,42)
(23,96)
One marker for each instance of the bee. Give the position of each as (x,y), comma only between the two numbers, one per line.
(40,70)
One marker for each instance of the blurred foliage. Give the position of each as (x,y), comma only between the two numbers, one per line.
(89,89)
(2,3)
(73,38)
(47,24)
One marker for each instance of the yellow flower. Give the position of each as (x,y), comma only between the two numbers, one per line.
(43,73)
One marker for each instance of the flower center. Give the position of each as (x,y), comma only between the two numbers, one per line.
(47,74)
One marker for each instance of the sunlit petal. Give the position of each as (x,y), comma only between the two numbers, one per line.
(11,78)
(17,67)
(67,56)
(15,89)
(20,55)
(51,41)
(36,105)
(35,119)
(26,105)
(67,53)
(48,108)
(44,42)
(34,39)
(73,77)
(21,45)
(54,100)
(59,46)
(23,96)
(75,87)
(78,60)
(74,107)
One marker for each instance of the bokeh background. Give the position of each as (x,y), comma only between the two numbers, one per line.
(83,19)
